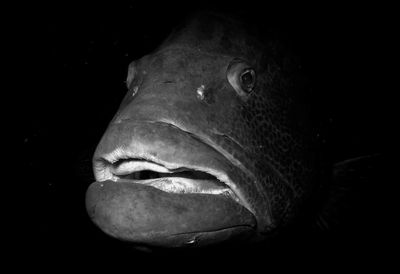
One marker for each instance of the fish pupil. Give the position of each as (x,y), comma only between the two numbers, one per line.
(247,80)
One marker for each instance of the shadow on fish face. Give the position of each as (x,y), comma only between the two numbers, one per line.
(206,146)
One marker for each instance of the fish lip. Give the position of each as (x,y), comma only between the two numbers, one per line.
(103,160)
(105,171)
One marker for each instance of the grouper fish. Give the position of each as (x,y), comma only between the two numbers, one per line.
(210,144)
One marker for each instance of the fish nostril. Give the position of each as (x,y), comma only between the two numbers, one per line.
(168,82)
(200,92)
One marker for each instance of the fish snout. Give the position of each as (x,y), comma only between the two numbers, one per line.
(157,185)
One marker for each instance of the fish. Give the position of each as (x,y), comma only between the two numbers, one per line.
(211,144)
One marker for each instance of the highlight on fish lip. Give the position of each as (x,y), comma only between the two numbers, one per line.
(209,144)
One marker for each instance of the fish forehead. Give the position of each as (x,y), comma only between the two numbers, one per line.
(215,33)
(186,64)
(201,51)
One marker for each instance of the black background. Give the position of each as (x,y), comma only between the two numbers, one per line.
(78,57)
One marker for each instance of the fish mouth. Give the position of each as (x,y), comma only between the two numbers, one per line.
(182,180)
(159,185)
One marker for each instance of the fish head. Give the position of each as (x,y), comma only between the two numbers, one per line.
(208,144)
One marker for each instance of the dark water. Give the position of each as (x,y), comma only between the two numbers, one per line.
(81,54)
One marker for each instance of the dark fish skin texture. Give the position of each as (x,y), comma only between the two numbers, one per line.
(266,132)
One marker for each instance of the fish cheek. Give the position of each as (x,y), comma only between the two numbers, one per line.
(211,118)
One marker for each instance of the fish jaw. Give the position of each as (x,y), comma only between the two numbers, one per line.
(145,215)
(171,209)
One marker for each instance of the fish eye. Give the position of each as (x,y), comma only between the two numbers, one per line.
(247,79)
(241,77)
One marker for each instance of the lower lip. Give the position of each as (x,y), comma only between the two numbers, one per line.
(143,214)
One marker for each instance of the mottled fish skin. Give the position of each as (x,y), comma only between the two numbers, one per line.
(264,134)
